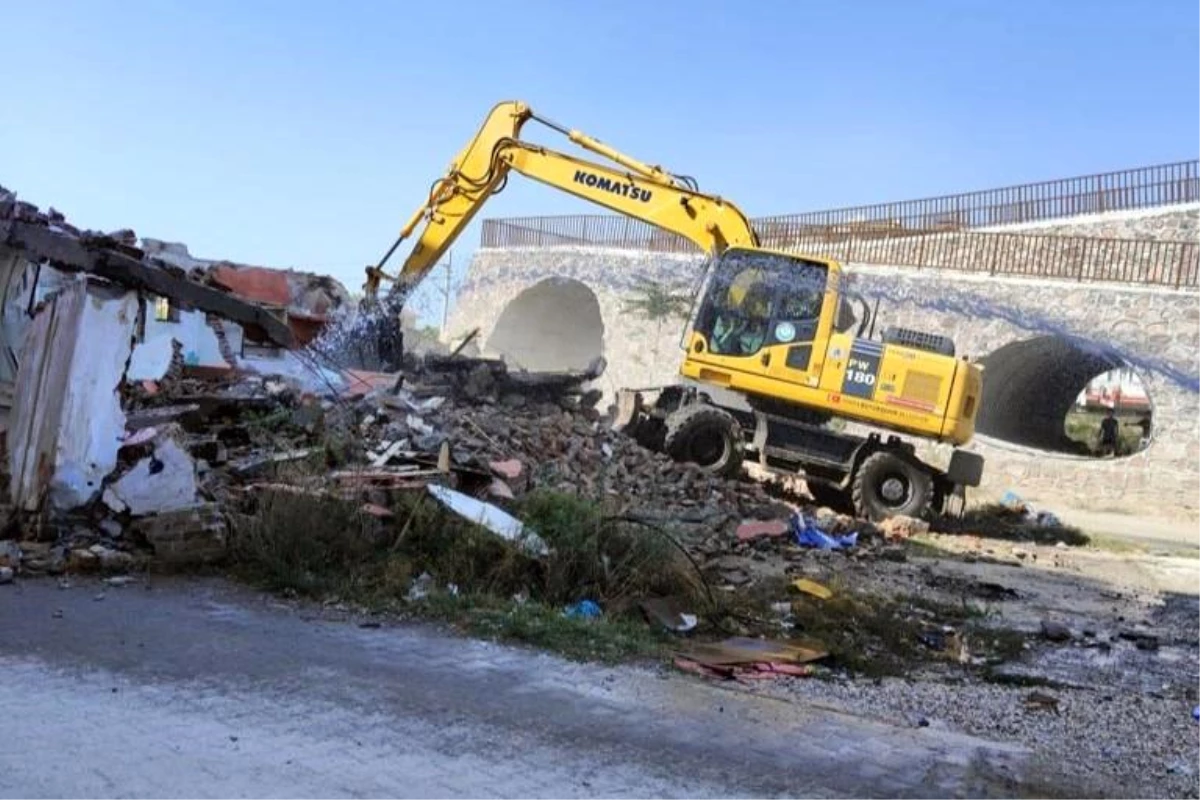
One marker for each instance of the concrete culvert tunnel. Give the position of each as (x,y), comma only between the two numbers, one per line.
(553,325)
(1032,391)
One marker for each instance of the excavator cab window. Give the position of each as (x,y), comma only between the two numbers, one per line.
(757,299)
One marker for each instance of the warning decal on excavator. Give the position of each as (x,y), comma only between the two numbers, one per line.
(862,369)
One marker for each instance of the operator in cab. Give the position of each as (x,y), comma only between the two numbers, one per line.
(741,328)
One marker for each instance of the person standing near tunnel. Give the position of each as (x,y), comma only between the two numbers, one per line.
(1109,432)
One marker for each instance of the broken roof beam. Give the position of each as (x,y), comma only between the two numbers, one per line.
(96,256)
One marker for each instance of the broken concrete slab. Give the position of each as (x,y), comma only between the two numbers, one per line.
(164,481)
(151,359)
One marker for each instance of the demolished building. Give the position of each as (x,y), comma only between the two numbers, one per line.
(85,316)
(155,401)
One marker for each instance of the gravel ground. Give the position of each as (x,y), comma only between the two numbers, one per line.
(1118,745)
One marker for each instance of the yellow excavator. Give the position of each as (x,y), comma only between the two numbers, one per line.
(770,354)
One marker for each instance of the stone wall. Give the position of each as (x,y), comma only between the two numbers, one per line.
(639,352)
(1175,224)
(1156,330)
(1135,247)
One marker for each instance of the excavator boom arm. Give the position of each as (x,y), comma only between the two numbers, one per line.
(641,191)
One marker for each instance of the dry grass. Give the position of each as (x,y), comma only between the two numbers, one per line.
(320,546)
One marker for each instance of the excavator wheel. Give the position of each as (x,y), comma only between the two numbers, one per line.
(706,436)
(887,485)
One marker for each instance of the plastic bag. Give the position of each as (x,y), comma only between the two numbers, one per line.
(806,534)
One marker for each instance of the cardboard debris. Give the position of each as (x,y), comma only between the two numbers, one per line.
(743,658)
(744,650)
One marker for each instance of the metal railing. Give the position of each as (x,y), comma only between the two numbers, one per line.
(1126,190)
(1145,187)
(937,232)
(582,230)
(1081,258)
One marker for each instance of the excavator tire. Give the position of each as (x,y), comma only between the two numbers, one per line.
(706,436)
(887,485)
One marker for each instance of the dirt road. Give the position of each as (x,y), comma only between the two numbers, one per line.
(197,688)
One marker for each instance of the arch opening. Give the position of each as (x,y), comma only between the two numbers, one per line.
(553,325)
(1053,393)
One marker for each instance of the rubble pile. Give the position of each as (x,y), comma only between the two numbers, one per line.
(549,425)
(196,449)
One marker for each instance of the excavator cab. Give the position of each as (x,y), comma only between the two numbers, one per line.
(762,312)
(776,297)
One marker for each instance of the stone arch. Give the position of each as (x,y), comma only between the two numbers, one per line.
(1030,386)
(554,324)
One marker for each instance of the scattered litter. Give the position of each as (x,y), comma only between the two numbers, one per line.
(745,650)
(1012,500)
(807,534)
(669,613)
(813,588)
(118,580)
(1043,519)
(743,658)
(587,609)
(421,586)
(754,529)
(6,575)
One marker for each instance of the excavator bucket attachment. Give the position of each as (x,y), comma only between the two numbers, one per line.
(629,409)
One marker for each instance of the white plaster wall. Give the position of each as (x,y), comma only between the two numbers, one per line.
(201,348)
(67,421)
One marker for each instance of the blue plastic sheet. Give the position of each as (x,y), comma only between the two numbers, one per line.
(584,608)
(806,534)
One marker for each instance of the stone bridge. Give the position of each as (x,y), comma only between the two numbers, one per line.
(1040,341)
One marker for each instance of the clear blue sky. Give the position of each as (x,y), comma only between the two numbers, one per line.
(303,133)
